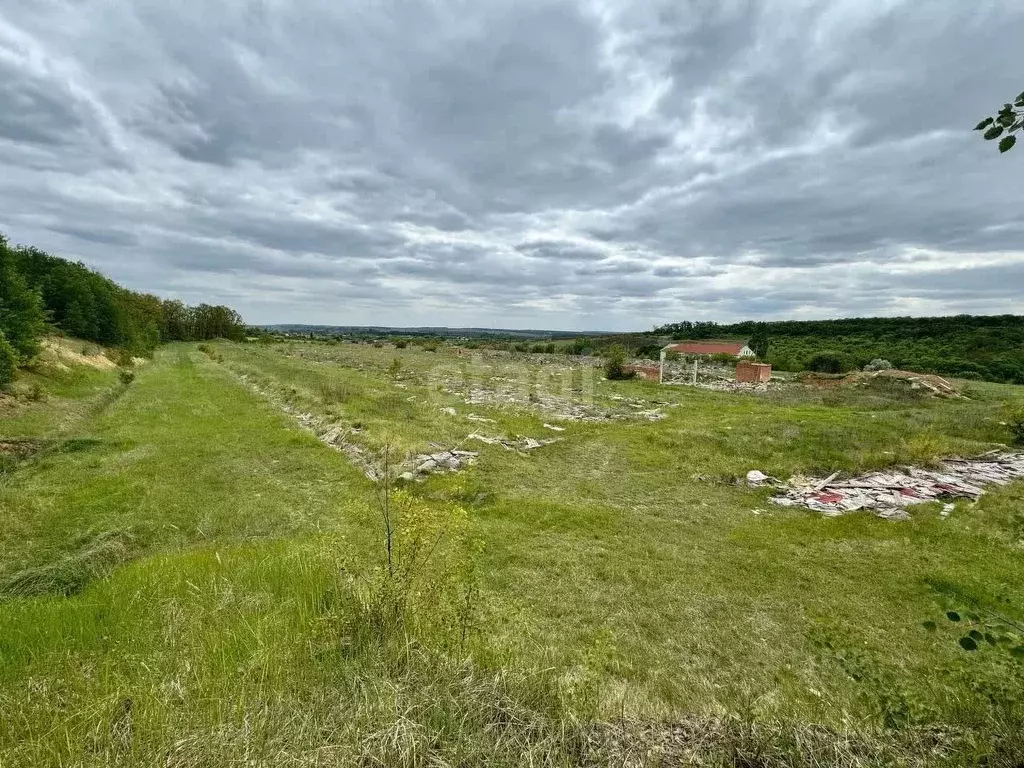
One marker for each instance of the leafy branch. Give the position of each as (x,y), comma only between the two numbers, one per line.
(1005,123)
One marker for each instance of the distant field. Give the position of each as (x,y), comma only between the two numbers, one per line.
(187,575)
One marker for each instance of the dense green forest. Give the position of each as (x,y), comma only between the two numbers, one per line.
(40,293)
(967,346)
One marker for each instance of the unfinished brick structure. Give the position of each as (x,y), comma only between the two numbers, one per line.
(753,373)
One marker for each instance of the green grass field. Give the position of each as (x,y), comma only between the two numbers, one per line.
(188,577)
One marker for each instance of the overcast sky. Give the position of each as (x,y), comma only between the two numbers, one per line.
(586,164)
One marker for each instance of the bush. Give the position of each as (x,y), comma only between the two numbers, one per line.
(127,376)
(649,352)
(825,362)
(401,343)
(879,364)
(1015,420)
(8,362)
(614,367)
(395,369)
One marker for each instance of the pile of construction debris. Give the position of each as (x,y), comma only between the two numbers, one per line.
(519,444)
(718,378)
(936,386)
(441,461)
(889,493)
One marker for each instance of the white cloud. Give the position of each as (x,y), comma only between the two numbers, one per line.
(598,163)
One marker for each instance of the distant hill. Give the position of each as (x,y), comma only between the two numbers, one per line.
(440,331)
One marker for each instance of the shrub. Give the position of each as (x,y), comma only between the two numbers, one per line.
(127,376)
(401,343)
(1015,421)
(825,362)
(395,369)
(878,364)
(614,367)
(8,362)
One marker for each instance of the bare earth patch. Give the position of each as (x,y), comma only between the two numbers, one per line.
(62,354)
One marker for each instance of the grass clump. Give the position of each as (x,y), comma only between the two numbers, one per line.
(70,573)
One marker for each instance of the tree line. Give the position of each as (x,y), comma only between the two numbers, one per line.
(968,346)
(40,294)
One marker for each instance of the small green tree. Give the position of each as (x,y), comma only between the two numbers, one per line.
(1005,123)
(395,369)
(614,367)
(759,343)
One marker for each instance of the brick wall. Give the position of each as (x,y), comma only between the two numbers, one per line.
(753,373)
(649,372)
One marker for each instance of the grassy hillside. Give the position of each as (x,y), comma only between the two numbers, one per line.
(190,578)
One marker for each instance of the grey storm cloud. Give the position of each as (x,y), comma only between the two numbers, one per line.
(596,164)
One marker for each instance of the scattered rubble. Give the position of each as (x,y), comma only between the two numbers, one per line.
(888,493)
(756,477)
(452,460)
(521,444)
(714,377)
(578,404)
(727,385)
(337,436)
(936,386)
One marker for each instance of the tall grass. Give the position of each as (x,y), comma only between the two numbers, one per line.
(606,600)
